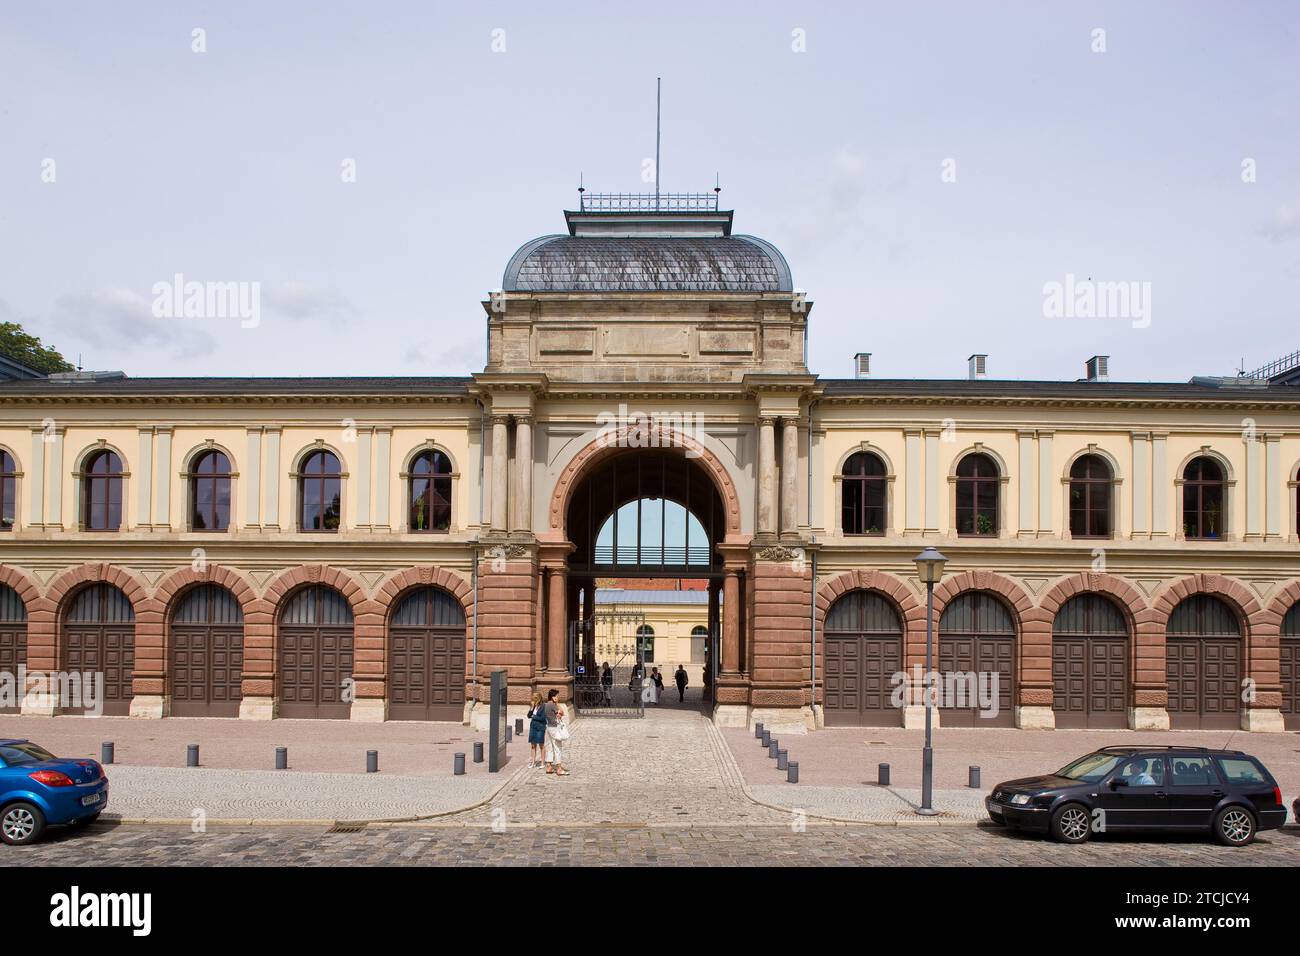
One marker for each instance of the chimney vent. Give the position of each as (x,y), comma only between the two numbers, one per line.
(862,365)
(1099,368)
(977,366)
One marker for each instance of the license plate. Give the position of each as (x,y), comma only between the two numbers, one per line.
(91,800)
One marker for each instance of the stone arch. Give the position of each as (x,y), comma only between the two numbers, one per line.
(911,610)
(390,593)
(46,620)
(1032,682)
(611,444)
(40,625)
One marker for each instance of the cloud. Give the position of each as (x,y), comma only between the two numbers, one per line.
(304,303)
(119,321)
(1285,224)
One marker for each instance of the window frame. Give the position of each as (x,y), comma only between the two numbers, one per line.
(89,479)
(1200,485)
(8,491)
(1088,483)
(973,484)
(868,484)
(431,479)
(321,480)
(193,477)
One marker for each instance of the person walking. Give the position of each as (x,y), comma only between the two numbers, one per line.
(607,682)
(659,685)
(557,731)
(536,731)
(681,680)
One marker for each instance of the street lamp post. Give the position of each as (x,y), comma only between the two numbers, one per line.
(929,568)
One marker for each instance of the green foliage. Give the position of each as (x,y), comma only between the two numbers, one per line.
(18,345)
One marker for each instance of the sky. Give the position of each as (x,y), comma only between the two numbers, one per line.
(931,171)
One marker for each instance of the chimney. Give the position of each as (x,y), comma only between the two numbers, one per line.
(1098,368)
(862,365)
(977,363)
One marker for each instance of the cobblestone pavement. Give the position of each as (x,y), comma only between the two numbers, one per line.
(412,845)
(169,793)
(669,769)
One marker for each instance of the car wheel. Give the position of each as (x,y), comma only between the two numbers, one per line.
(1234,826)
(1071,823)
(21,824)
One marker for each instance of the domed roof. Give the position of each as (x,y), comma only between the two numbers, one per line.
(658,264)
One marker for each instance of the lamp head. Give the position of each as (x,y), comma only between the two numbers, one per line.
(929,565)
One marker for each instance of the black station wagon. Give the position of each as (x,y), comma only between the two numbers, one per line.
(1130,789)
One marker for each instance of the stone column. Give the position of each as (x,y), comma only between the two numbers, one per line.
(499,462)
(731,624)
(524,473)
(556,619)
(766,476)
(790,476)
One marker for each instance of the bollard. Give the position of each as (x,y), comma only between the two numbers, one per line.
(758,731)
(372,761)
(281,758)
(510,733)
(192,755)
(771,749)
(792,772)
(478,751)
(519,726)
(782,760)
(766,738)
(106,752)
(458,764)
(883,775)
(974,778)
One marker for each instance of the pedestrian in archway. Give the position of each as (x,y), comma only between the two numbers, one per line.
(607,683)
(681,680)
(536,731)
(658,678)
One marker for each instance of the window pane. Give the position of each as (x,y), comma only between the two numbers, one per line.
(7,492)
(852,491)
(420,504)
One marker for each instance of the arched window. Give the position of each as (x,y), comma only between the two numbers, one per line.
(645,640)
(430,491)
(8,491)
(320,492)
(210,492)
(1203,487)
(977,496)
(862,494)
(101,492)
(699,643)
(1090,497)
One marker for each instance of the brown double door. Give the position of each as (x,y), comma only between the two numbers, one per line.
(13,655)
(1090,681)
(1203,675)
(98,639)
(977,658)
(858,685)
(207,653)
(426,657)
(316,655)
(1290,667)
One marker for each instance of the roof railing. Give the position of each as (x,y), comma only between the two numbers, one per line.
(1284,364)
(647,202)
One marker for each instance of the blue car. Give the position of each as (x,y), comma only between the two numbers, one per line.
(38,788)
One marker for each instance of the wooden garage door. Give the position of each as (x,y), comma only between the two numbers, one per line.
(1090,651)
(977,637)
(1290,665)
(99,638)
(207,642)
(426,657)
(863,650)
(13,643)
(316,653)
(1203,664)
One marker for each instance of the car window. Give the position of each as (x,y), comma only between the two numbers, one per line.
(1089,769)
(16,755)
(1191,771)
(1241,770)
(1143,772)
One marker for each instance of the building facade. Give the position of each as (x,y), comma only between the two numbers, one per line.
(1120,555)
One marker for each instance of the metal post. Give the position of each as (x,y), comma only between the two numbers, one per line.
(192,755)
(519,726)
(458,764)
(772,748)
(758,731)
(372,761)
(792,772)
(106,752)
(281,758)
(766,738)
(973,778)
(882,775)
(927,755)
(510,733)
(782,760)
(478,751)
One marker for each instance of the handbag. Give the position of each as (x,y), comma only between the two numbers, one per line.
(561,731)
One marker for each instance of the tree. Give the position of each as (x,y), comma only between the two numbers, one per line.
(18,345)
